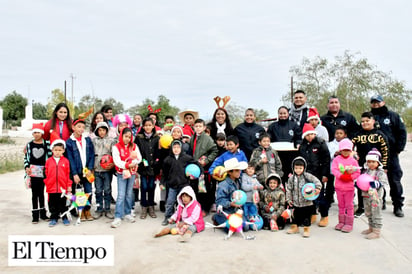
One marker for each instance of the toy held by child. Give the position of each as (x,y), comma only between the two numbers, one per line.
(303,208)
(272,203)
(37,152)
(250,185)
(188,216)
(345,169)
(372,199)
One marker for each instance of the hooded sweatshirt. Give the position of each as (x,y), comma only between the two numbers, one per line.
(174,168)
(121,153)
(274,199)
(296,183)
(102,146)
(191,214)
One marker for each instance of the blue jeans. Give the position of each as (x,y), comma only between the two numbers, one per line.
(125,198)
(171,199)
(249,210)
(147,188)
(103,190)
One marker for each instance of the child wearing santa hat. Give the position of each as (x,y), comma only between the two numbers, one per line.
(37,152)
(314,120)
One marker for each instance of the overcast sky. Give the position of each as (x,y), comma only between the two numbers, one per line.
(191,51)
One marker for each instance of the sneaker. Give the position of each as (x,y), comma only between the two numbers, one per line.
(66,222)
(129,218)
(359,213)
(116,223)
(52,223)
(132,213)
(398,212)
(165,221)
(109,215)
(97,214)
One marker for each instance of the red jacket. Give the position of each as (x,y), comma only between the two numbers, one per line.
(47,130)
(57,175)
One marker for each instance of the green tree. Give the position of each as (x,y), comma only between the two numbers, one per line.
(40,111)
(350,77)
(162,102)
(116,106)
(13,106)
(57,97)
(87,102)
(407,118)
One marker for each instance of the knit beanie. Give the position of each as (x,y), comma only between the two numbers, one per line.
(345,144)
(374,155)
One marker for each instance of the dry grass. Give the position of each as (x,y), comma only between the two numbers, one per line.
(10,162)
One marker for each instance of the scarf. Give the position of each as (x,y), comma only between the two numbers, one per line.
(295,114)
(221,128)
(81,149)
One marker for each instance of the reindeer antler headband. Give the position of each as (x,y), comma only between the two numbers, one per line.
(149,107)
(220,100)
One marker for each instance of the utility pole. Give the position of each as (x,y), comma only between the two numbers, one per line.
(73,77)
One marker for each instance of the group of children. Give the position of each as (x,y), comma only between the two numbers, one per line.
(139,158)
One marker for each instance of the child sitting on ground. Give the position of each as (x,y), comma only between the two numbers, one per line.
(303,208)
(250,185)
(272,203)
(372,199)
(188,216)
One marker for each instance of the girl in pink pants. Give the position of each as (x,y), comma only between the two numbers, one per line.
(345,169)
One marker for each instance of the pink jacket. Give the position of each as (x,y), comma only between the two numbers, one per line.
(190,214)
(340,184)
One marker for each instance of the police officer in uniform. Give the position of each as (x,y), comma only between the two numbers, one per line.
(391,124)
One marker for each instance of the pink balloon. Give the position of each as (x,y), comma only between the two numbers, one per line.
(363,182)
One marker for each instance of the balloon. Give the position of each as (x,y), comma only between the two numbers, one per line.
(258,221)
(165,140)
(192,171)
(309,191)
(363,181)
(219,173)
(173,231)
(106,160)
(239,197)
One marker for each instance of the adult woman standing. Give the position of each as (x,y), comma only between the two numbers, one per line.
(220,124)
(285,130)
(61,122)
(248,133)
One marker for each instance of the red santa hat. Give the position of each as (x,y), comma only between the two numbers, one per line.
(55,139)
(313,114)
(307,129)
(38,128)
